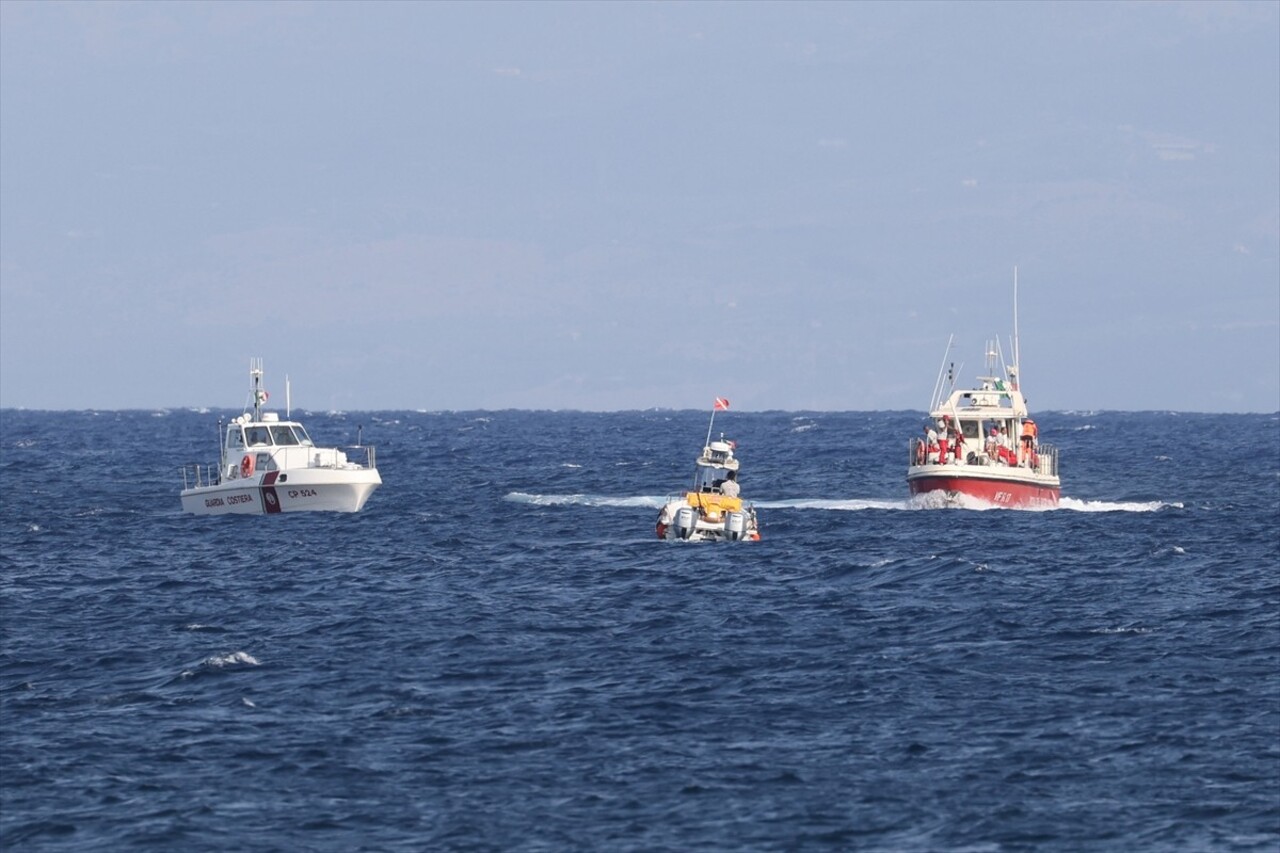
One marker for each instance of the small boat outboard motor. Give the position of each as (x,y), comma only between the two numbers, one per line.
(686,522)
(735,526)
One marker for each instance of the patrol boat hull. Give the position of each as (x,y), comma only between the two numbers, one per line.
(999,488)
(296,490)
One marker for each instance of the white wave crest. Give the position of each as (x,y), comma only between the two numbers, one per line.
(221,662)
(233,659)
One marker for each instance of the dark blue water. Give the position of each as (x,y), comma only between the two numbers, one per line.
(498,654)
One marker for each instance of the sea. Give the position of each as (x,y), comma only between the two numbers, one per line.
(498,654)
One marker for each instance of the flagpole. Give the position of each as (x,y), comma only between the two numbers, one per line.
(707,443)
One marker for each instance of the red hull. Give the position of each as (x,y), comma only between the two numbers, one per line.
(1003,493)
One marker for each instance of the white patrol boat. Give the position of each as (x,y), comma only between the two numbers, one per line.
(712,509)
(267,466)
(981,443)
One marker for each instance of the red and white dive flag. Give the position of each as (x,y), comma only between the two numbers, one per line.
(721,404)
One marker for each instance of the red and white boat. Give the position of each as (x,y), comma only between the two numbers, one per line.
(980,445)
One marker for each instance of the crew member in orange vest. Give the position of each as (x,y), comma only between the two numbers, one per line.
(1028,441)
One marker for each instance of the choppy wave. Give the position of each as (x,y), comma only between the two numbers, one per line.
(498,653)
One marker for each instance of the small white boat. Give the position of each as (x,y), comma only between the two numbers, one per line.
(267,465)
(980,444)
(712,510)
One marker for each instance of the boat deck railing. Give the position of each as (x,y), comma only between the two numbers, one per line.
(1045,458)
(195,476)
(370,455)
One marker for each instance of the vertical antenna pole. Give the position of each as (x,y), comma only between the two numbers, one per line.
(288,406)
(255,372)
(937,385)
(707,443)
(1017,350)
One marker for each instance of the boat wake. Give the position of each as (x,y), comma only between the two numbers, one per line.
(653,501)
(936,500)
(845,504)
(1115,506)
(931,500)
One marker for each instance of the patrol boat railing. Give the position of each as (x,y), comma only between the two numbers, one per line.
(1046,457)
(195,475)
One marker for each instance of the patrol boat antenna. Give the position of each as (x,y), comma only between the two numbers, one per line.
(1015,372)
(259,394)
(942,369)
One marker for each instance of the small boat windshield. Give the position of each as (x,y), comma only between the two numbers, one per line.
(709,478)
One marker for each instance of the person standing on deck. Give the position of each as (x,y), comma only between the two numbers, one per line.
(1005,452)
(930,445)
(957,442)
(1029,432)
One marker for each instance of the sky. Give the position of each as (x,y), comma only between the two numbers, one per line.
(614,206)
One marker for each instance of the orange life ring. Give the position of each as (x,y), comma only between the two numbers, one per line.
(246,467)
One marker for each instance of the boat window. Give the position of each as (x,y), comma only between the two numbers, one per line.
(283,435)
(235,438)
(303,438)
(969,429)
(258,436)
